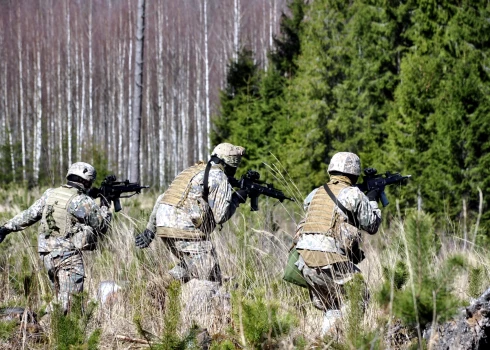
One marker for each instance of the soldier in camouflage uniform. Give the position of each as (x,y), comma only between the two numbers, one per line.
(328,237)
(184,216)
(70,224)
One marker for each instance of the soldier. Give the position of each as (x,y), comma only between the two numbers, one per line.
(70,224)
(328,237)
(184,216)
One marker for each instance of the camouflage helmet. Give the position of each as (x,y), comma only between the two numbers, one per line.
(230,154)
(84,170)
(345,162)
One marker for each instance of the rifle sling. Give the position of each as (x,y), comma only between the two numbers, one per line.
(349,213)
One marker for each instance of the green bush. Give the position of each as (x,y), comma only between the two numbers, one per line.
(71,331)
(421,293)
(260,319)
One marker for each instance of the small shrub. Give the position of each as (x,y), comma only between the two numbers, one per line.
(71,331)
(7,329)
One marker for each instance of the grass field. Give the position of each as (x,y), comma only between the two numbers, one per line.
(256,308)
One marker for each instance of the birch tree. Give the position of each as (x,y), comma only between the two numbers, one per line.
(138,94)
(206,76)
(160,101)
(39,115)
(68,86)
(21,94)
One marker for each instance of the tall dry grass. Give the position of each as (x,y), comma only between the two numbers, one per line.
(252,250)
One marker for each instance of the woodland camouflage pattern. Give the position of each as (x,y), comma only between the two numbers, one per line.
(59,255)
(196,258)
(325,282)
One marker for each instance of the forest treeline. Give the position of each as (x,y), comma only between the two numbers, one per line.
(67,81)
(404,84)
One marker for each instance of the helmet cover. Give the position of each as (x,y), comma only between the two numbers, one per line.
(345,162)
(230,154)
(84,170)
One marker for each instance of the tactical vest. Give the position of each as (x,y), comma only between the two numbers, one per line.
(321,211)
(178,190)
(322,218)
(176,195)
(56,221)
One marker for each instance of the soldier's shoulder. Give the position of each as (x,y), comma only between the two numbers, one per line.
(217,175)
(352,193)
(83,199)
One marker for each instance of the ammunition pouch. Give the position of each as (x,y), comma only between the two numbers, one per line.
(84,237)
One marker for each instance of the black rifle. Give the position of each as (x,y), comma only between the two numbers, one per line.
(255,187)
(374,181)
(112,190)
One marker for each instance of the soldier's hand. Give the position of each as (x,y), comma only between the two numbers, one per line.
(144,239)
(241,196)
(3,233)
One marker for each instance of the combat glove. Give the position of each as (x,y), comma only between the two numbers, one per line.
(373,195)
(240,196)
(3,233)
(144,239)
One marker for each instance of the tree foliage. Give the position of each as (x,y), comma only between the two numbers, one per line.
(404,84)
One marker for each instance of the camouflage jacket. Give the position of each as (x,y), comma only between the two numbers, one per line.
(221,205)
(83,208)
(367,213)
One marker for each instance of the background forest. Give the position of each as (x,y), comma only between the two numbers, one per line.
(404,84)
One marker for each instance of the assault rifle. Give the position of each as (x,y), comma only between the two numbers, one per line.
(112,190)
(374,181)
(255,187)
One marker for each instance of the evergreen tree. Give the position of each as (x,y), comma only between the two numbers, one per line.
(287,46)
(241,87)
(439,114)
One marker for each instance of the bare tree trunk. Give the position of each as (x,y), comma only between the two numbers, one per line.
(206,77)
(138,94)
(120,85)
(127,147)
(39,115)
(90,78)
(160,86)
(60,120)
(8,128)
(236,28)
(198,111)
(77,98)
(81,126)
(21,96)
(68,81)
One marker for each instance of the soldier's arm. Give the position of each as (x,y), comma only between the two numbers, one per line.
(152,221)
(89,213)
(220,197)
(367,212)
(29,216)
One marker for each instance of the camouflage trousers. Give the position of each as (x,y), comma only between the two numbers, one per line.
(197,259)
(66,274)
(326,284)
